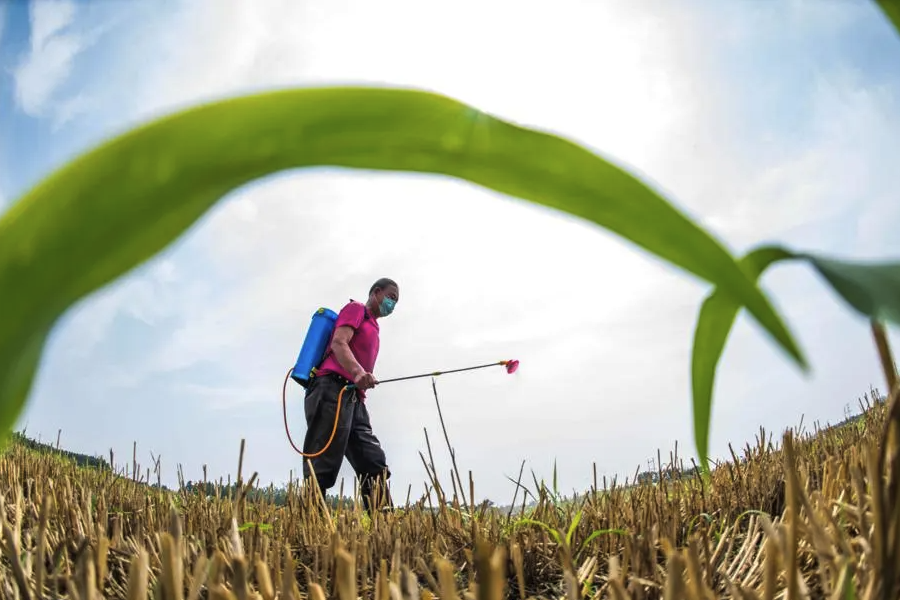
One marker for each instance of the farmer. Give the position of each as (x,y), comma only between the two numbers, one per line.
(350,358)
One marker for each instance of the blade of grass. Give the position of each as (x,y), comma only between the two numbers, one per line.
(114,207)
(871,289)
(553,533)
(572,527)
(597,533)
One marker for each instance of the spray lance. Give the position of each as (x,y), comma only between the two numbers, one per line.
(313,351)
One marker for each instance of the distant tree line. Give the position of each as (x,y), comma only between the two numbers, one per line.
(276,495)
(80,459)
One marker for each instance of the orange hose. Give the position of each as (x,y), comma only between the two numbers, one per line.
(337,417)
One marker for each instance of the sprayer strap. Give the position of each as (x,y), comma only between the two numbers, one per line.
(328,351)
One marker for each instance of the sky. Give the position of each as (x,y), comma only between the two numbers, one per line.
(765,122)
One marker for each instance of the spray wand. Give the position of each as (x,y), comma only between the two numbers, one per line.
(511,367)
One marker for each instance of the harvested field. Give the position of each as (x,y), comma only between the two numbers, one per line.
(805,519)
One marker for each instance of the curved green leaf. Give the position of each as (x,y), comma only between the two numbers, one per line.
(597,533)
(553,532)
(717,315)
(116,206)
(873,290)
(573,526)
(891,9)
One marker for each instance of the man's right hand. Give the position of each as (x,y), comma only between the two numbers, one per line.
(365,381)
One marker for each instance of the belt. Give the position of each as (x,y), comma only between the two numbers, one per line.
(335,377)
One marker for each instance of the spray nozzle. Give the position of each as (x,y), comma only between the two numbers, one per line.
(511,365)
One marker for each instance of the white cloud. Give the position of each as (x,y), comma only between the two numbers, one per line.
(69,108)
(57,39)
(603,331)
(49,17)
(144,296)
(49,61)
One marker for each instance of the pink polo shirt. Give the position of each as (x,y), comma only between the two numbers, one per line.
(364,344)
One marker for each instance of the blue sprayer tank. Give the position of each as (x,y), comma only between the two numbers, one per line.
(313,350)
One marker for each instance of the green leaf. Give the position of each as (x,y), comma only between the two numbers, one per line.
(871,289)
(891,9)
(119,204)
(572,527)
(717,315)
(597,533)
(553,533)
(705,516)
(848,591)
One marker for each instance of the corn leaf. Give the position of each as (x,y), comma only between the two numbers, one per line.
(117,205)
(891,9)
(872,290)
(717,315)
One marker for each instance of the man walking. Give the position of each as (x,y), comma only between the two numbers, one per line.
(350,358)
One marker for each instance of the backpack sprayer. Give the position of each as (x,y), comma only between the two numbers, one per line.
(312,352)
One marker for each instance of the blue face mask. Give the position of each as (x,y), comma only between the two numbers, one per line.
(386,307)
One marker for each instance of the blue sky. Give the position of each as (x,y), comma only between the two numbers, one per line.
(767,122)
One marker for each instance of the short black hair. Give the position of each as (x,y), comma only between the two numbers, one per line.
(383,283)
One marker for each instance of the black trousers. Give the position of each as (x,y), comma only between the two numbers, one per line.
(353,438)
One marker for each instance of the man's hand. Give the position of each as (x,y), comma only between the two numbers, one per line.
(365,381)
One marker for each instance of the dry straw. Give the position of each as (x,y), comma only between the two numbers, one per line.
(808,519)
(816,516)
